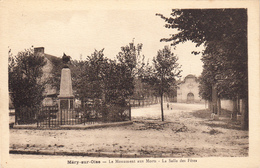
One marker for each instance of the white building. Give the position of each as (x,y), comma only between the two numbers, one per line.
(188,90)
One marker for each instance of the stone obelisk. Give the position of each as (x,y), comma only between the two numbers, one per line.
(66,97)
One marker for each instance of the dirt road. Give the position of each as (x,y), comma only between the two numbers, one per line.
(187,131)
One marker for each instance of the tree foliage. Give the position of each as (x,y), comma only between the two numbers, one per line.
(130,56)
(107,81)
(95,67)
(163,73)
(55,76)
(118,84)
(206,25)
(223,32)
(132,62)
(25,84)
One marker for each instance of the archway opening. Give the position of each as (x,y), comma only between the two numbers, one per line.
(190,98)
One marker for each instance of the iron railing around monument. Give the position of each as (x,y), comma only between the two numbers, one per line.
(51,116)
(25,115)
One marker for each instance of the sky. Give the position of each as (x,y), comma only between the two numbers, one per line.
(80,31)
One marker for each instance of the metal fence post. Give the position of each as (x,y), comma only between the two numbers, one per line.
(60,116)
(49,117)
(37,115)
(130,118)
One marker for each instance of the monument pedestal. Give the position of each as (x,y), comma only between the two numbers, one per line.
(66,98)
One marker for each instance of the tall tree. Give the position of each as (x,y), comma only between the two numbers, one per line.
(224,34)
(130,56)
(25,84)
(78,77)
(55,76)
(163,73)
(99,78)
(95,67)
(88,77)
(131,60)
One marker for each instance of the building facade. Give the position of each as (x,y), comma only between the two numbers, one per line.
(188,90)
(50,93)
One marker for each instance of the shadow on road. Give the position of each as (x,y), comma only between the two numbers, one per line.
(224,120)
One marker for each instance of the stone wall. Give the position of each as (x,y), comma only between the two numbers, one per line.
(227,104)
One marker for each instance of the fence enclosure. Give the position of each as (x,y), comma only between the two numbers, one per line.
(52,116)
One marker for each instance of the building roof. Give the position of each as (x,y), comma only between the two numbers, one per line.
(187,77)
(190,76)
(52,58)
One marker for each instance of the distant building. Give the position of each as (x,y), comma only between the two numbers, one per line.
(50,93)
(188,90)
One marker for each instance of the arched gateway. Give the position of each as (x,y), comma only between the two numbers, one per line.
(190,98)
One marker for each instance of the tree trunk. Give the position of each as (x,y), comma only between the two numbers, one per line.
(16,115)
(162,106)
(210,105)
(214,99)
(244,123)
(129,108)
(219,106)
(83,105)
(234,111)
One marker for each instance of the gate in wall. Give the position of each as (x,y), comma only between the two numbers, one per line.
(190,98)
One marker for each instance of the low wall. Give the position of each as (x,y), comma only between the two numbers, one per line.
(227,104)
(72,127)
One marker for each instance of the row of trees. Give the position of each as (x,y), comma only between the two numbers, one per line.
(105,81)
(114,81)
(223,32)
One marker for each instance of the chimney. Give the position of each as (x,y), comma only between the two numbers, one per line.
(131,45)
(39,51)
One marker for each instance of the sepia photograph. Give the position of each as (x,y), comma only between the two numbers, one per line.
(114,84)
